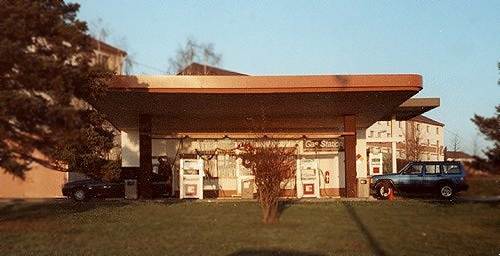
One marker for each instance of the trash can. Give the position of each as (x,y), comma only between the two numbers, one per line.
(131,189)
(364,187)
(247,187)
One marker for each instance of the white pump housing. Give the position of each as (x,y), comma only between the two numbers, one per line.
(191,178)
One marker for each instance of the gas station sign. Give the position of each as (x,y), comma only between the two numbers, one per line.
(324,145)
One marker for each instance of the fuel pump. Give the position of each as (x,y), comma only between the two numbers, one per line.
(191,178)
(245,180)
(308,178)
(375,163)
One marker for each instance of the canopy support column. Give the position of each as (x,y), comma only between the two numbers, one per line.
(350,155)
(393,145)
(145,158)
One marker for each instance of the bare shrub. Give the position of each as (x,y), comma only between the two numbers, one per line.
(273,166)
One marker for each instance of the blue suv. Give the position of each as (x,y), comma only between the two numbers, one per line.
(439,178)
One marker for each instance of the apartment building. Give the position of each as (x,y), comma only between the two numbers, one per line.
(418,138)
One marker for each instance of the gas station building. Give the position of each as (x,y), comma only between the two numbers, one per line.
(194,120)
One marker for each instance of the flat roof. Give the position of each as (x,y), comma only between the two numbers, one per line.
(268,84)
(297,104)
(414,107)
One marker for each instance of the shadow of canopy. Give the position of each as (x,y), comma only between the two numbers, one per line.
(272,252)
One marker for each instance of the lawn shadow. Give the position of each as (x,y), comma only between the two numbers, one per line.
(272,252)
(492,202)
(18,210)
(285,204)
(173,201)
(374,244)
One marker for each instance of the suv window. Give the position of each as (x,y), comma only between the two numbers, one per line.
(414,169)
(432,169)
(452,169)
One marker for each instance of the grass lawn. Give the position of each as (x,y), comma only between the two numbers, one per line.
(408,227)
(483,186)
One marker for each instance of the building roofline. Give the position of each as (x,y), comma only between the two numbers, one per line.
(458,155)
(199,69)
(414,107)
(421,102)
(107,47)
(427,120)
(268,84)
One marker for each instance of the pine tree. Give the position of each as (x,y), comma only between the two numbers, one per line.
(490,128)
(47,81)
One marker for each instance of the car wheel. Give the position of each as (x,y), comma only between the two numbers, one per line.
(79,195)
(446,191)
(385,190)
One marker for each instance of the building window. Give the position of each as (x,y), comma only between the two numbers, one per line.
(103,60)
(399,124)
(371,134)
(427,128)
(418,127)
(437,130)
(428,142)
(388,123)
(226,166)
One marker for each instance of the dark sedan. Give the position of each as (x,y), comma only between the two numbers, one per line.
(439,178)
(92,188)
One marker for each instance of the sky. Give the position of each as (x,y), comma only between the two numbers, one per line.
(454,45)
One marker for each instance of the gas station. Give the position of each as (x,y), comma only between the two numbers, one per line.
(195,121)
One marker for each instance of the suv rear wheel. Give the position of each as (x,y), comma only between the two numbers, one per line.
(446,191)
(385,190)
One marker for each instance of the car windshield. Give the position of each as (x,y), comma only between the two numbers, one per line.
(412,168)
